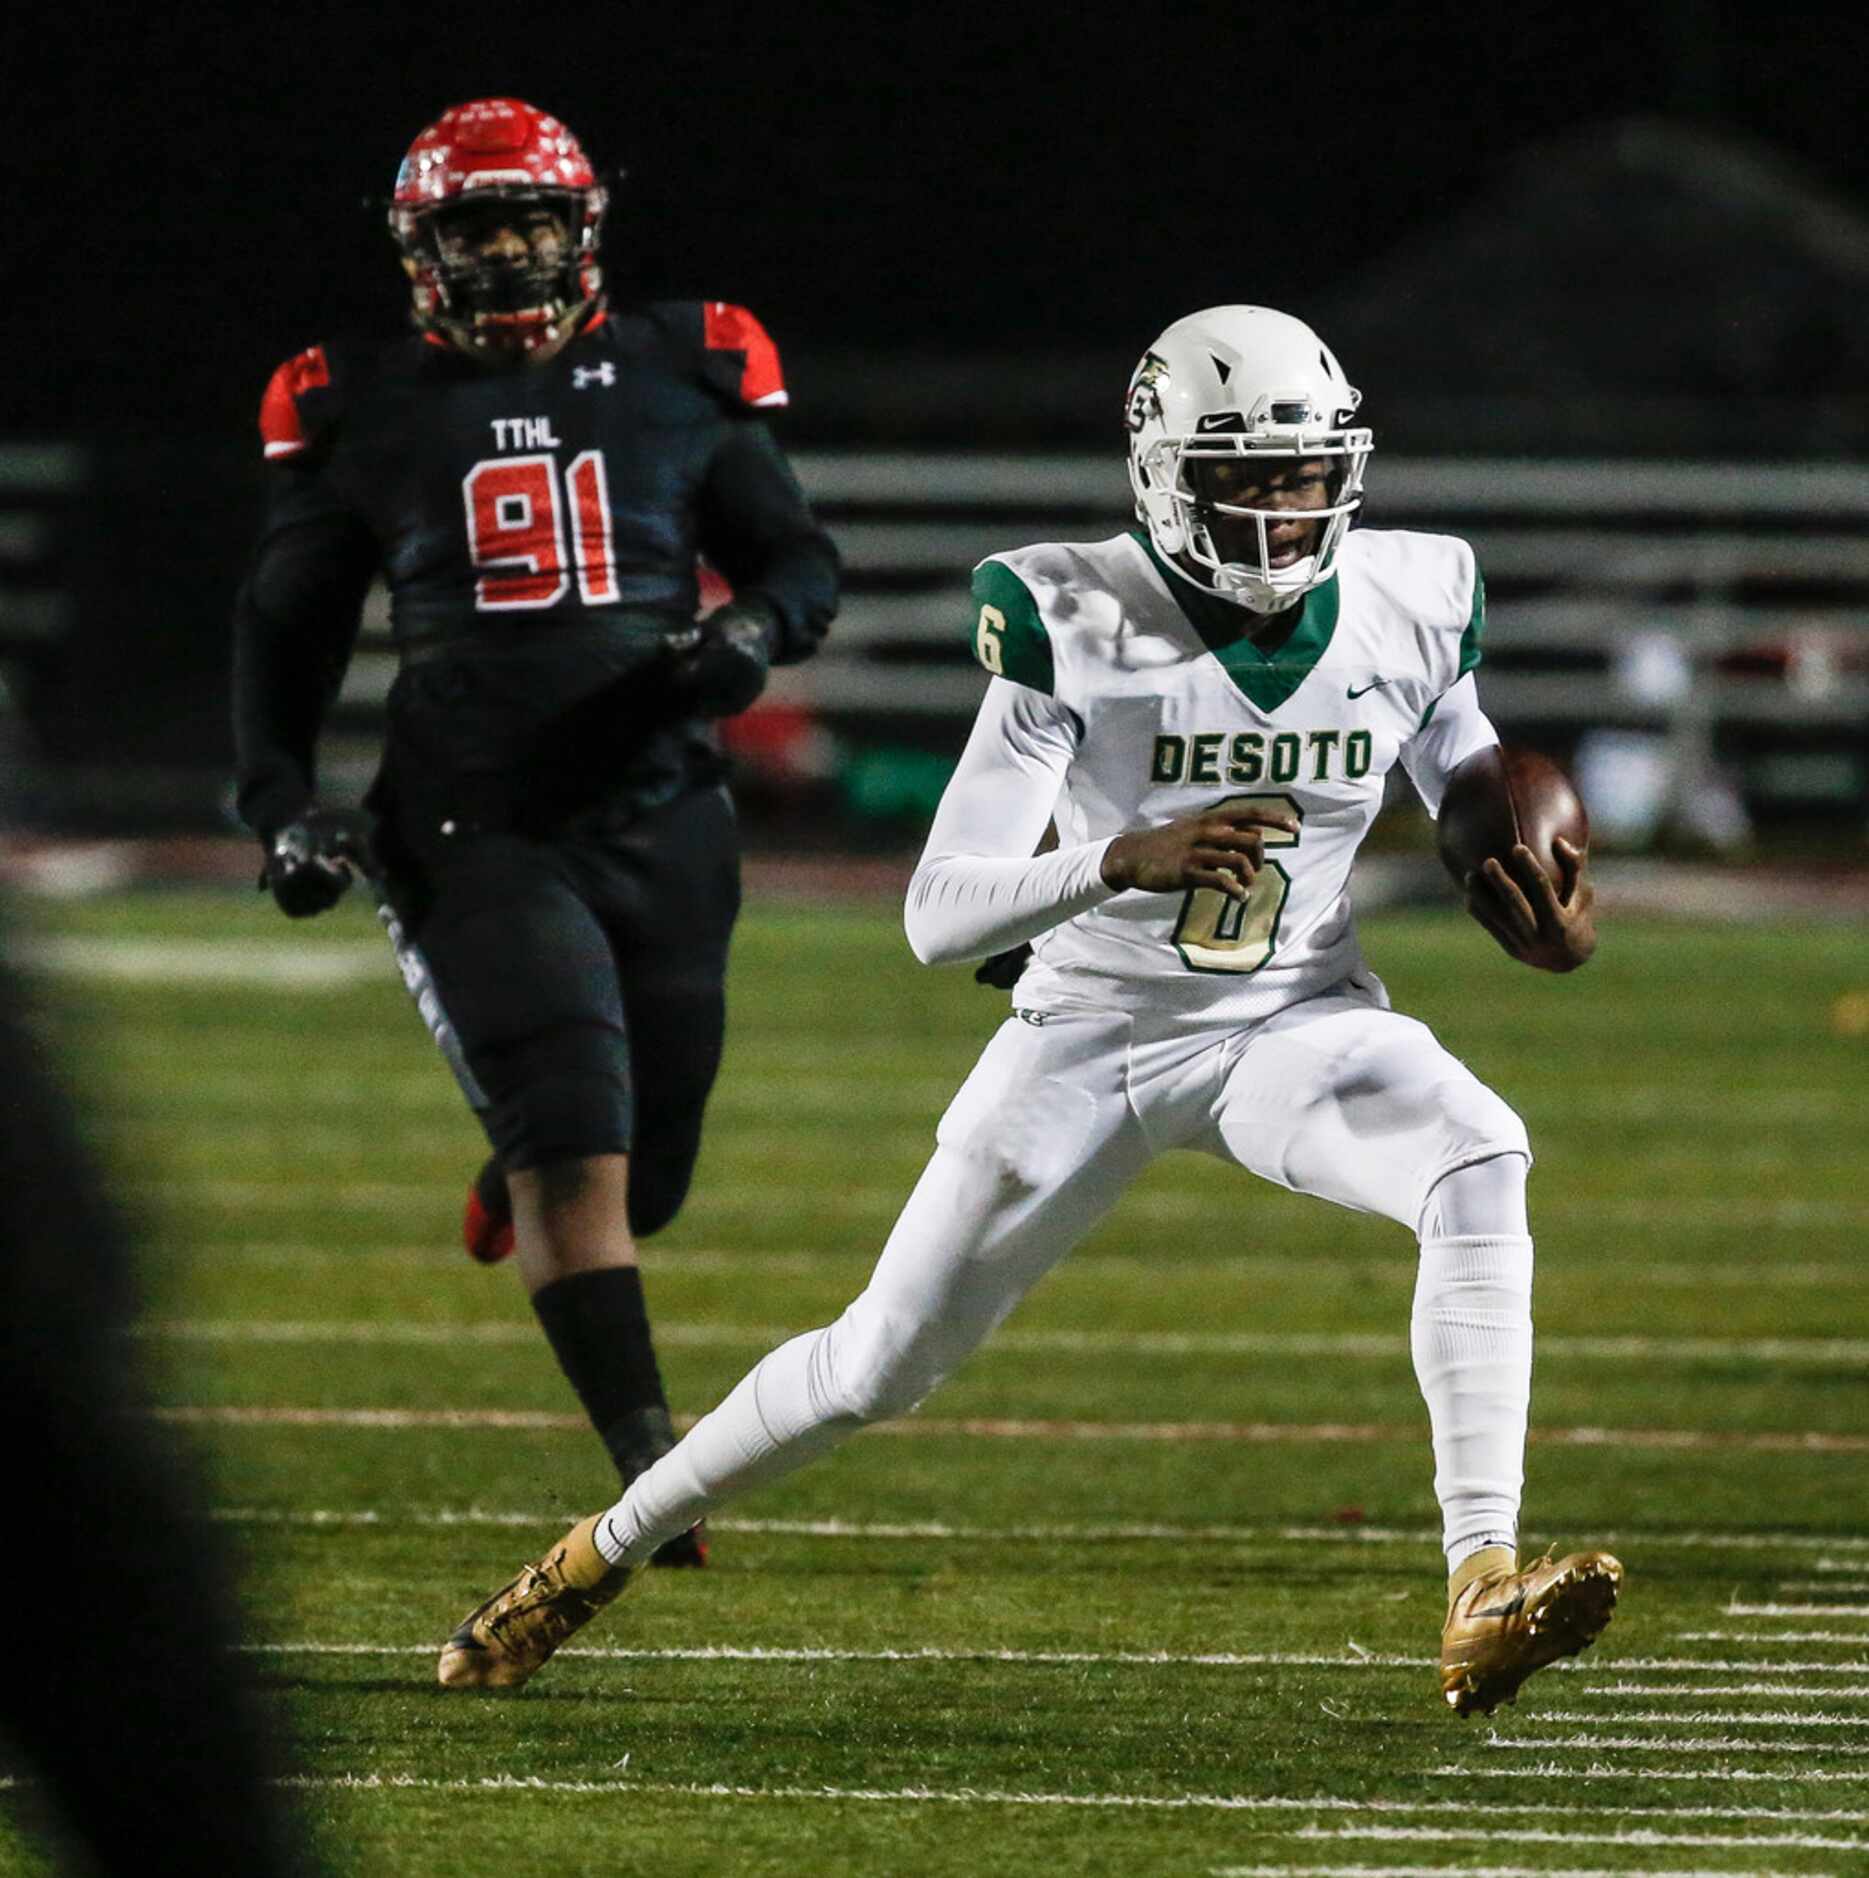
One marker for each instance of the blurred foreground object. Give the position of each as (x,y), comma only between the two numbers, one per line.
(122,1696)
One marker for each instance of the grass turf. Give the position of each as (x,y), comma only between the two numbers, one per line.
(961,1630)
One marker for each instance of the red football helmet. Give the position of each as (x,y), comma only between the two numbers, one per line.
(497,212)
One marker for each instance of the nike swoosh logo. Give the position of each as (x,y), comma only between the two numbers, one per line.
(1505,1610)
(1356,691)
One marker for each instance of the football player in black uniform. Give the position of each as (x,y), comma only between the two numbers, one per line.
(535,472)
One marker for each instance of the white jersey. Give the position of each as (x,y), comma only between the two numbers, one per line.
(1123,697)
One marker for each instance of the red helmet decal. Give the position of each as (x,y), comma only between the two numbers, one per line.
(282,430)
(728,328)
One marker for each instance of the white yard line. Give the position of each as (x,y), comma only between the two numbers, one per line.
(1055,1532)
(1249,1268)
(1647,1838)
(856,1197)
(1117,1802)
(1772,1636)
(1493,1871)
(1637,1744)
(1570,1775)
(207,962)
(914,1100)
(1708,1718)
(1352,1658)
(1673,1693)
(1737,1609)
(1723,1666)
(1001,1428)
(1383,1346)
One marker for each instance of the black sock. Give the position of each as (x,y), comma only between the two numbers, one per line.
(598,1327)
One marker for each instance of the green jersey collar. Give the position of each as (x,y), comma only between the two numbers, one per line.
(1266,679)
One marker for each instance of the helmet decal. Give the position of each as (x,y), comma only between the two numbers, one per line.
(1231,384)
(1144,400)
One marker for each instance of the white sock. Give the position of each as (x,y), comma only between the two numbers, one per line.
(1471,1336)
(777,1417)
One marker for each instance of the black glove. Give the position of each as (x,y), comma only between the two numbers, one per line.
(721,668)
(1002,970)
(311,862)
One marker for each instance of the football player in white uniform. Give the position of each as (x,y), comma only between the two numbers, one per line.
(1205,709)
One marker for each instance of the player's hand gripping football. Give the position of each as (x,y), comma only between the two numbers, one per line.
(311,862)
(1221,848)
(1545,923)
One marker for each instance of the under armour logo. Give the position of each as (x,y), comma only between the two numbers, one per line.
(584,376)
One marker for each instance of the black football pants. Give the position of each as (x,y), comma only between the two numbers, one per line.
(585,979)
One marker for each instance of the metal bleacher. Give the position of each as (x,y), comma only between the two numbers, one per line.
(1722,605)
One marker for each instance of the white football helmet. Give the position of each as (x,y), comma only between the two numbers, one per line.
(1230,382)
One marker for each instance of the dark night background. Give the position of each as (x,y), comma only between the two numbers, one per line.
(934,184)
(1528,231)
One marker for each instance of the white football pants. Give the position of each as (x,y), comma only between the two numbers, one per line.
(1338,1097)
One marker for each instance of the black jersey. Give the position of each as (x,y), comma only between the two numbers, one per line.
(538,530)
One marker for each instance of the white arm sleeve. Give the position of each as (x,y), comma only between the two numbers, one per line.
(1457,728)
(978,887)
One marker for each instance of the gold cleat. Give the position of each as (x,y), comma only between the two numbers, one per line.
(508,1639)
(1504,1624)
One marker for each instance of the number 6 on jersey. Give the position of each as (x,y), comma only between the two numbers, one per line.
(1217,933)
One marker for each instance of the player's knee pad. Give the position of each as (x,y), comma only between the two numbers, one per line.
(562,1095)
(1471,1124)
(661,1170)
(658,1184)
(885,1360)
(1483,1199)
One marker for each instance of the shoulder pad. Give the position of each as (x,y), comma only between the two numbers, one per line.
(739,345)
(1434,578)
(290,414)
(1009,638)
(732,352)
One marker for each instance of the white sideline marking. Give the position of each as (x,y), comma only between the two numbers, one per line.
(1824,1350)
(1635,1744)
(1645,1837)
(1601,1771)
(1120,1802)
(939,1529)
(999,1428)
(1826,1584)
(1354,1657)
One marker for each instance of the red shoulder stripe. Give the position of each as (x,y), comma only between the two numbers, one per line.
(282,431)
(728,328)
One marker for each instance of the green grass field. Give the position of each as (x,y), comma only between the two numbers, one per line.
(1153,1585)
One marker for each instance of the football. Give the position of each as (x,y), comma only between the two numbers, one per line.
(1505,795)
